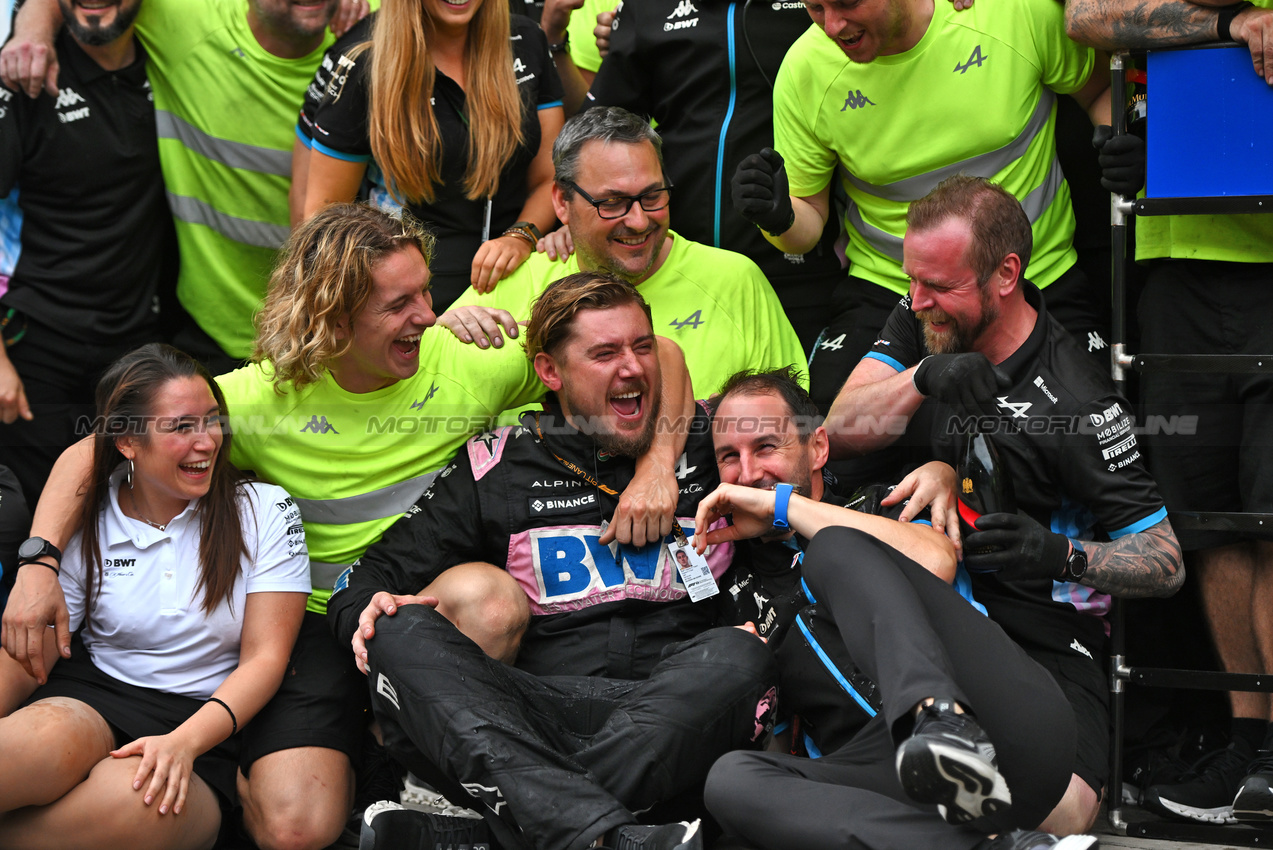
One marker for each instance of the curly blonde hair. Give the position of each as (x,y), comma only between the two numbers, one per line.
(324,276)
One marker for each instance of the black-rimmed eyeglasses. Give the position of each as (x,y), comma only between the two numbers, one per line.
(618,206)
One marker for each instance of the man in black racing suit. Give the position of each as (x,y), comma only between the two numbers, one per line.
(623,695)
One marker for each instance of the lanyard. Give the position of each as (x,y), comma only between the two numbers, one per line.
(677,532)
(573,467)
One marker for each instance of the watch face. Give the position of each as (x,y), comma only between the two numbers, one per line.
(31,547)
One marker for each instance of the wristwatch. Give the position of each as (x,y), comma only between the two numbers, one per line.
(1075,565)
(562,46)
(34,548)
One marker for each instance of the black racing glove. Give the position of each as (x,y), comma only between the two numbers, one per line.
(969,380)
(761,193)
(1016,547)
(1122,160)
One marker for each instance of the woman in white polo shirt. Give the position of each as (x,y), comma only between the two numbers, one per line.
(189,582)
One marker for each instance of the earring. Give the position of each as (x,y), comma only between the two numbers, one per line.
(129,476)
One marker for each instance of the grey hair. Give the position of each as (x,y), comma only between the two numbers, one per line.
(602,124)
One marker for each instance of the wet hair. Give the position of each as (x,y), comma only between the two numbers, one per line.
(783,383)
(999,225)
(323,277)
(602,124)
(553,314)
(126,399)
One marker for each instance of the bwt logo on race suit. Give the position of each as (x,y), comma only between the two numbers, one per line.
(565,568)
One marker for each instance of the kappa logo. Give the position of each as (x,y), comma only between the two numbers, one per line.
(1094,341)
(692,320)
(683,10)
(976,58)
(319,425)
(855,100)
(1079,648)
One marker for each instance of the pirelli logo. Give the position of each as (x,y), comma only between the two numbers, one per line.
(1119,448)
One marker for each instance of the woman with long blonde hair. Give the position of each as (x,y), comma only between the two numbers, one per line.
(449,109)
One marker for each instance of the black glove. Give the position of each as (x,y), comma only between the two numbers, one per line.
(969,380)
(761,193)
(1122,160)
(1016,547)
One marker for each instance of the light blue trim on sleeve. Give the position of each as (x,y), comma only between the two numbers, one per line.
(832,669)
(1148,522)
(335,154)
(551,104)
(885,359)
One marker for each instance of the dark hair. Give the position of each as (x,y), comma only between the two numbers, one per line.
(602,124)
(999,225)
(126,397)
(552,317)
(784,383)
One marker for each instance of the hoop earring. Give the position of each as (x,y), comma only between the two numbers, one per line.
(129,476)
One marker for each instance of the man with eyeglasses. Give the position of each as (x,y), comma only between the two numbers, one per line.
(610,190)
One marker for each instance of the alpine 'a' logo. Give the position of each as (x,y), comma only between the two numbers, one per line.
(976,58)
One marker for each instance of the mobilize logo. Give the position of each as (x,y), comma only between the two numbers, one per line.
(318,425)
(856,99)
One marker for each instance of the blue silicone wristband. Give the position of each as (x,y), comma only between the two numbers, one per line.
(782,495)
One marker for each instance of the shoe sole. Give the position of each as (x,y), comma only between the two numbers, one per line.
(1077,842)
(963,786)
(411,829)
(1220,814)
(1253,809)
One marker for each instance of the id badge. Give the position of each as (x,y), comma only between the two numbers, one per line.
(695,574)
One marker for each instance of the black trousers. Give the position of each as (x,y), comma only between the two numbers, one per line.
(555,761)
(916,638)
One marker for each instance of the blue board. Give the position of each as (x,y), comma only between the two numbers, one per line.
(1210,129)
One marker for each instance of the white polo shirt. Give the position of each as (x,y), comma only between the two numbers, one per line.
(147,626)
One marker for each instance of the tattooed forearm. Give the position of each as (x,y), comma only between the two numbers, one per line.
(1147,563)
(1113,24)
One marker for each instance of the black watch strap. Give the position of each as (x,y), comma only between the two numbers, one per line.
(1225,20)
(1075,565)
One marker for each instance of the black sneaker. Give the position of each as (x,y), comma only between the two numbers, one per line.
(949,761)
(1254,801)
(392,826)
(672,836)
(1020,839)
(1206,793)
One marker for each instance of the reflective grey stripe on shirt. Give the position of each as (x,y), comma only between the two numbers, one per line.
(982,165)
(365,507)
(323,576)
(224,151)
(261,234)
